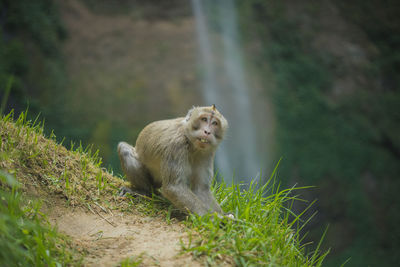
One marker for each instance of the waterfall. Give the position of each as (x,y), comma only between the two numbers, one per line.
(225,84)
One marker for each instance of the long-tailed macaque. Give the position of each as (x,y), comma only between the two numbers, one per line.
(177,156)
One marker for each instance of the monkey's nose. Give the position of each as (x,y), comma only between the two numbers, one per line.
(207,132)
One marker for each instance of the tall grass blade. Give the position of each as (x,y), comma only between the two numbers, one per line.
(6,94)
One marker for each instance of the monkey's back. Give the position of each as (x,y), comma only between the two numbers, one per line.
(162,141)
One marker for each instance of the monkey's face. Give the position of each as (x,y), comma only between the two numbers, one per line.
(206,128)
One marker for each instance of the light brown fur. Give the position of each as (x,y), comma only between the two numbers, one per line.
(177,156)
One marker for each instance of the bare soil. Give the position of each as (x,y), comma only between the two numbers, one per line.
(107,237)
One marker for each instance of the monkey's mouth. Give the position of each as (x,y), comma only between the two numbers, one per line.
(203,140)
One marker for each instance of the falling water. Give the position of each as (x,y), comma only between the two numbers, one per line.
(225,85)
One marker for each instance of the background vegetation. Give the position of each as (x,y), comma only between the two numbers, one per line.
(335,92)
(31,59)
(339,117)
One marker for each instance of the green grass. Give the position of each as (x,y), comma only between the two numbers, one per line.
(264,231)
(76,174)
(26,238)
(131,262)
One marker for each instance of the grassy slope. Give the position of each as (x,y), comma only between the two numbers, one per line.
(261,234)
(26,238)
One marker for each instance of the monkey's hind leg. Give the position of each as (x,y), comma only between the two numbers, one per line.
(134,170)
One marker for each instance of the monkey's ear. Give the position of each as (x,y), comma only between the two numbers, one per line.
(189,114)
(213,107)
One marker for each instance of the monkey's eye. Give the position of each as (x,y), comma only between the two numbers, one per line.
(214,123)
(204,119)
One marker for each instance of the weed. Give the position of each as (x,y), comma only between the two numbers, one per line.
(131,261)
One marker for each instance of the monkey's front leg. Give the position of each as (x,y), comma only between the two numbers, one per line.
(205,195)
(200,183)
(184,199)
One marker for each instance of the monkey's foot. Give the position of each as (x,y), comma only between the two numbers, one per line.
(123,191)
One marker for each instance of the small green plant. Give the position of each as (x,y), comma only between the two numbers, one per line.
(132,261)
(66,178)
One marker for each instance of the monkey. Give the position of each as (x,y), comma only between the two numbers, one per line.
(177,157)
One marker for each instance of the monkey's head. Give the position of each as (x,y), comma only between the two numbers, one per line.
(205,127)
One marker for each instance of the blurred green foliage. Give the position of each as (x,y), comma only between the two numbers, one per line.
(30,36)
(353,140)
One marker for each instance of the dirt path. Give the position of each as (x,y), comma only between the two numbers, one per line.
(108,238)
